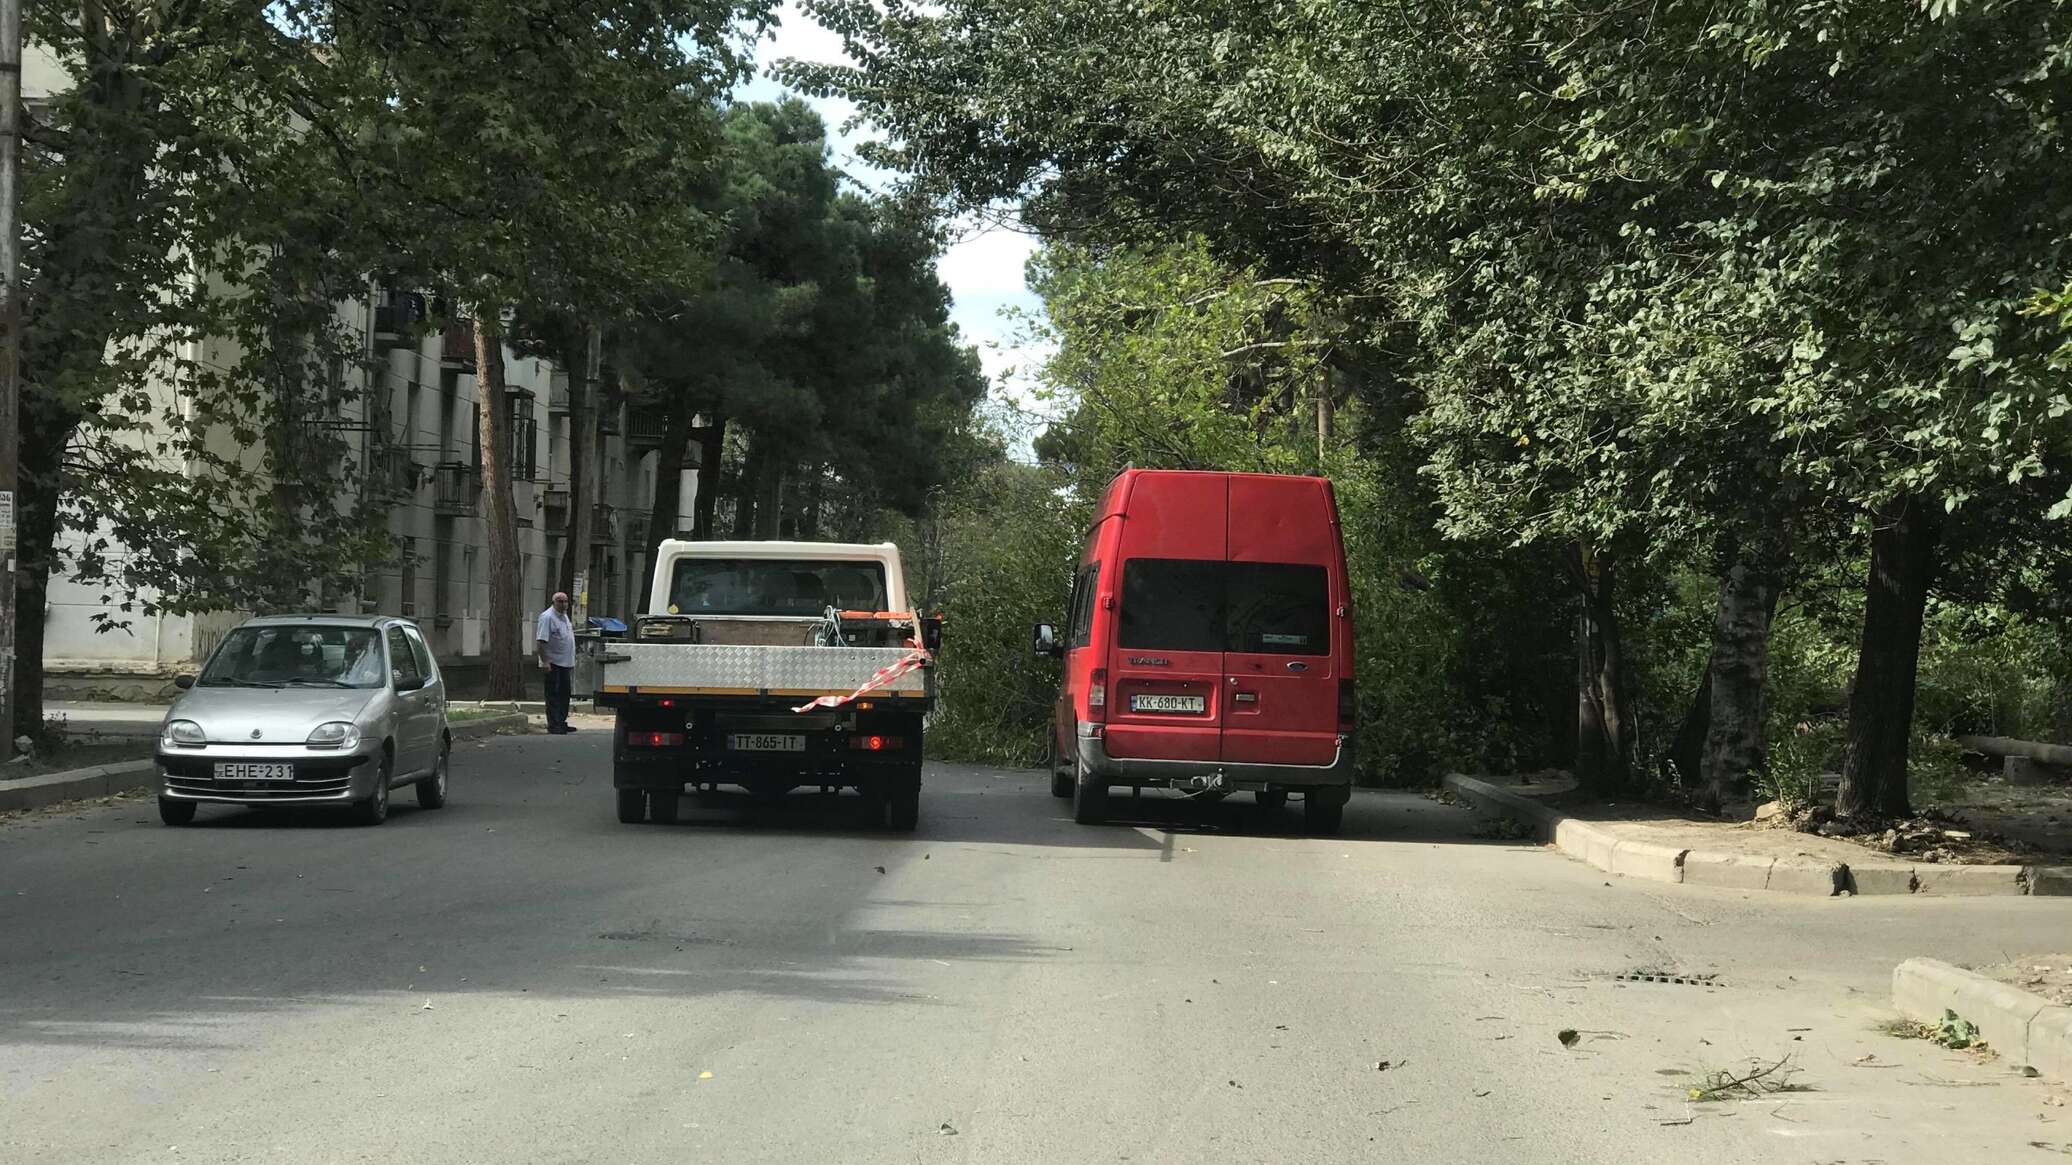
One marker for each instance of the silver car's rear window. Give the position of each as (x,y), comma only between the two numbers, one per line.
(284,657)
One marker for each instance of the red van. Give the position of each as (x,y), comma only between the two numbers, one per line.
(1209,647)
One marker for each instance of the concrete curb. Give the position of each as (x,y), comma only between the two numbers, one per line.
(76,785)
(1654,862)
(487,725)
(107,780)
(2024,1028)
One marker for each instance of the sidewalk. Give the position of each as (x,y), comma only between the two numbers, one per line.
(107,719)
(1665,849)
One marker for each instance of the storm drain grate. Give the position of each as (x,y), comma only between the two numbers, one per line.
(1669,977)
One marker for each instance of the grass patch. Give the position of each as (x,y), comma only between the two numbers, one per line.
(1952,1031)
(462,715)
(65,757)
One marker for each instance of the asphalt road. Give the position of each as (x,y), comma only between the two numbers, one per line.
(519,978)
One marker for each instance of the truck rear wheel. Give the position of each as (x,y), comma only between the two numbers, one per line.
(1089,797)
(632,806)
(902,801)
(662,805)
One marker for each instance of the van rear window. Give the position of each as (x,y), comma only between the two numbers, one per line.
(1171,604)
(1278,608)
(1265,608)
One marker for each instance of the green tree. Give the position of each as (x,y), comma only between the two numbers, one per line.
(1598,220)
(185,244)
(544,153)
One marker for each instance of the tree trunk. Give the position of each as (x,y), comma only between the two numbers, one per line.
(676,440)
(749,487)
(1881,705)
(1739,677)
(1687,752)
(769,507)
(809,514)
(499,513)
(582,461)
(40,480)
(711,452)
(1605,726)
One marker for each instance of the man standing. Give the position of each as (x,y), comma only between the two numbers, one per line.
(554,643)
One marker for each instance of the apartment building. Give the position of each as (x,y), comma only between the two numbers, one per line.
(420,443)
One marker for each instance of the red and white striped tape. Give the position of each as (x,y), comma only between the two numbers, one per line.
(918,657)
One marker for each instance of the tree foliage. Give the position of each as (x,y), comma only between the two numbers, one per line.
(1669,285)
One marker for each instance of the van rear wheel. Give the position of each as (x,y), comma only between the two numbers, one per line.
(1322,818)
(1060,777)
(1089,797)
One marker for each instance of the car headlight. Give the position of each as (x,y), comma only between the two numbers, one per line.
(336,734)
(183,732)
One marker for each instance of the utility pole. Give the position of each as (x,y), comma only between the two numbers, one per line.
(10,345)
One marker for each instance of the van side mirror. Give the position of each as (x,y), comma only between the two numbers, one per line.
(183,682)
(1047,642)
(931,633)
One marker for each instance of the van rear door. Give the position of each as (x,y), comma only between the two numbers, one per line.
(1281,592)
(1166,668)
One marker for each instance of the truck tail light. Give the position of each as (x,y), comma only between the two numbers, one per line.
(1348,707)
(1097,692)
(654,740)
(861,743)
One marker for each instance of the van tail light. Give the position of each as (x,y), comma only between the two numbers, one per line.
(1348,708)
(1097,693)
(654,740)
(877,743)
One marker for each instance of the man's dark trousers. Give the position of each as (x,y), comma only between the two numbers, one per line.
(559,681)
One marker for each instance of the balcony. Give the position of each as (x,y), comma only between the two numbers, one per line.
(554,500)
(635,527)
(646,426)
(453,490)
(457,347)
(394,474)
(604,524)
(560,399)
(396,318)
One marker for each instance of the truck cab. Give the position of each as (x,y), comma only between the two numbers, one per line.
(771,666)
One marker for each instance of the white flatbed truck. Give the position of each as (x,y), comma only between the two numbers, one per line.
(771,666)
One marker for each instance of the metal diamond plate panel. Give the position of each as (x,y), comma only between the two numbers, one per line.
(819,670)
(833,669)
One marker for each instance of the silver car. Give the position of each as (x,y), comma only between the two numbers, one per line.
(326,710)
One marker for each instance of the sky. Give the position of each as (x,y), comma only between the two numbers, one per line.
(982,268)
